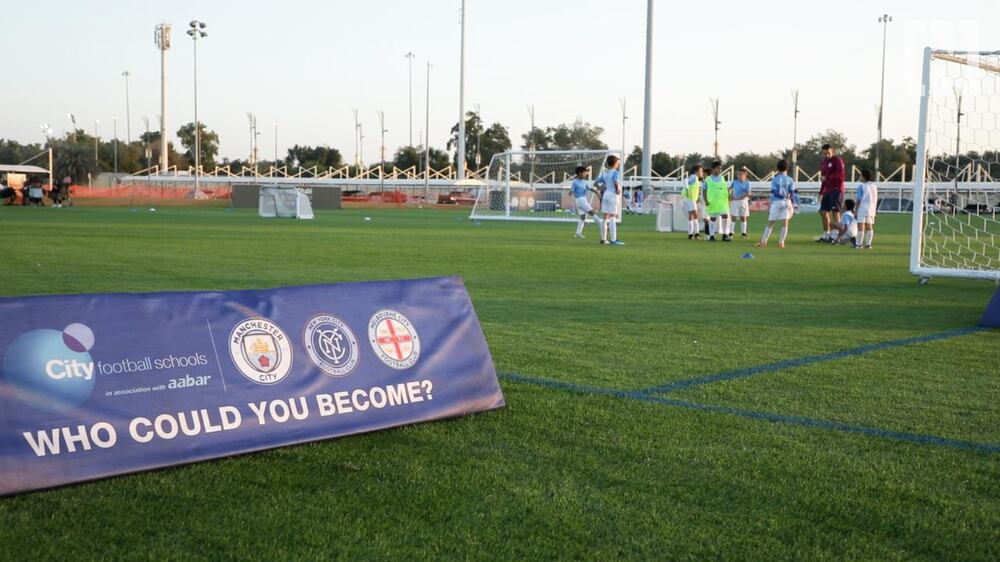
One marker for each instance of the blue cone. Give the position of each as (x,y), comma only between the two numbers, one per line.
(747,256)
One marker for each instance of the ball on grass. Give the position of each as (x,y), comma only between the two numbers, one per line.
(152,209)
(368,219)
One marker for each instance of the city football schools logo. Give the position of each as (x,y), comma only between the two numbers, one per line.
(331,345)
(394,339)
(261,351)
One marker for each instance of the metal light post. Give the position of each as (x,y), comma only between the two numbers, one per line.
(479,137)
(647,116)
(128,113)
(795,135)
(427,136)
(114,120)
(162,38)
(145,121)
(531,146)
(381,166)
(252,119)
(409,59)
(96,157)
(196,32)
(884,20)
(624,118)
(460,172)
(715,118)
(275,144)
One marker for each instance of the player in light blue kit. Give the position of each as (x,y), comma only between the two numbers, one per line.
(579,189)
(739,202)
(784,200)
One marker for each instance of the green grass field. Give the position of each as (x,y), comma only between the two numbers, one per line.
(888,454)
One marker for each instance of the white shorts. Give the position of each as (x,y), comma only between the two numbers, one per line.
(866,218)
(780,210)
(852,231)
(739,208)
(609,203)
(689,206)
(583,206)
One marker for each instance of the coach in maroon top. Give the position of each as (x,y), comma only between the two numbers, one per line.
(831,192)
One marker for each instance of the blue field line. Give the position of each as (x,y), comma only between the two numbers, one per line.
(809,359)
(643,396)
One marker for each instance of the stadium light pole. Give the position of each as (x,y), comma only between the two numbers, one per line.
(409,59)
(531,146)
(114,127)
(716,122)
(884,20)
(196,32)
(357,153)
(647,110)
(275,163)
(479,138)
(381,165)
(427,136)
(460,172)
(795,135)
(162,40)
(145,121)
(624,118)
(96,121)
(128,113)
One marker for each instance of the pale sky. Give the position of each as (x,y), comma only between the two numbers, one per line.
(305,64)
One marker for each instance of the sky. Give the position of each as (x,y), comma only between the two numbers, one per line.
(306,64)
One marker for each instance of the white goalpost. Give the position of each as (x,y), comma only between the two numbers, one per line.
(956,196)
(534,185)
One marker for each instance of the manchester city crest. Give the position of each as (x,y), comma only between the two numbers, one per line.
(331,345)
(260,350)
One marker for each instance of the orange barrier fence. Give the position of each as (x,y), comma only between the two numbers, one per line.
(140,191)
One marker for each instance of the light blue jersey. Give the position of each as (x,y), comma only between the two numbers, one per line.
(579,188)
(611,178)
(782,188)
(741,189)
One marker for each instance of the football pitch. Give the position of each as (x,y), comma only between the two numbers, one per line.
(666,399)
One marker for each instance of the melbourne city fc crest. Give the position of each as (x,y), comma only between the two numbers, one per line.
(331,345)
(261,351)
(394,339)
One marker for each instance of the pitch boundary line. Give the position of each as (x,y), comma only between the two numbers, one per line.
(808,360)
(801,421)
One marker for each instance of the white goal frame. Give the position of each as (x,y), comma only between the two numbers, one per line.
(920,177)
(505,184)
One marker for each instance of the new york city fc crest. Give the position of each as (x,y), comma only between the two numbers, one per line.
(394,339)
(261,351)
(331,345)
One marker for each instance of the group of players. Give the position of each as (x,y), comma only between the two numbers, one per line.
(721,204)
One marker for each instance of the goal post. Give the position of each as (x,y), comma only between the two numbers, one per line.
(534,185)
(956,192)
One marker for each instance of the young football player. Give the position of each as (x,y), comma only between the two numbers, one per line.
(692,194)
(717,203)
(739,206)
(848,227)
(611,177)
(867,197)
(579,189)
(783,202)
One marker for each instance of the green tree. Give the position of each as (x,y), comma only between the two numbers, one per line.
(322,157)
(578,135)
(811,153)
(487,141)
(209,144)
(536,139)
(73,160)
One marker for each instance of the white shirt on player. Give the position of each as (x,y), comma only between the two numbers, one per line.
(849,224)
(867,200)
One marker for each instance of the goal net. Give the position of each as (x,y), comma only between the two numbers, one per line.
(535,185)
(956,227)
(283,201)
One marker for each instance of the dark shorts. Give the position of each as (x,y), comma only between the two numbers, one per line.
(830,202)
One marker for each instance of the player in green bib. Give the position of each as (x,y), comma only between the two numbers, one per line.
(717,203)
(691,193)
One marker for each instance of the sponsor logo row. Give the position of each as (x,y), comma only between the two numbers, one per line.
(262,351)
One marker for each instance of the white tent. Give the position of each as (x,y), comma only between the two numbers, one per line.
(283,201)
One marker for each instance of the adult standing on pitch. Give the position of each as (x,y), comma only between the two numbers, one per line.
(831,192)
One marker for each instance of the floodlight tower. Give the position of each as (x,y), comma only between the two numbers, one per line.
(647,110)
(621,101)
(162,39)
(72,119)
(252,119)
(381,166)
(128,113)
(479,138)
(409,58)
(196,31)
(795,135)
(427,136)
(145,121)
(884,20)
(460,172)
(715,118)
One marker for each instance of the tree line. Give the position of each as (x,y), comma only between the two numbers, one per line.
(75,155)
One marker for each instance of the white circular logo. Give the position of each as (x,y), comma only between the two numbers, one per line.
(394,339)
(261,351)
(331,345)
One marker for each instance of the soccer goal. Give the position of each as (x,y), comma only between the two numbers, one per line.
(283,201)
(534,185)
(956,198)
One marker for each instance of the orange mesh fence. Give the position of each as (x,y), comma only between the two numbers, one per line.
(139,191)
